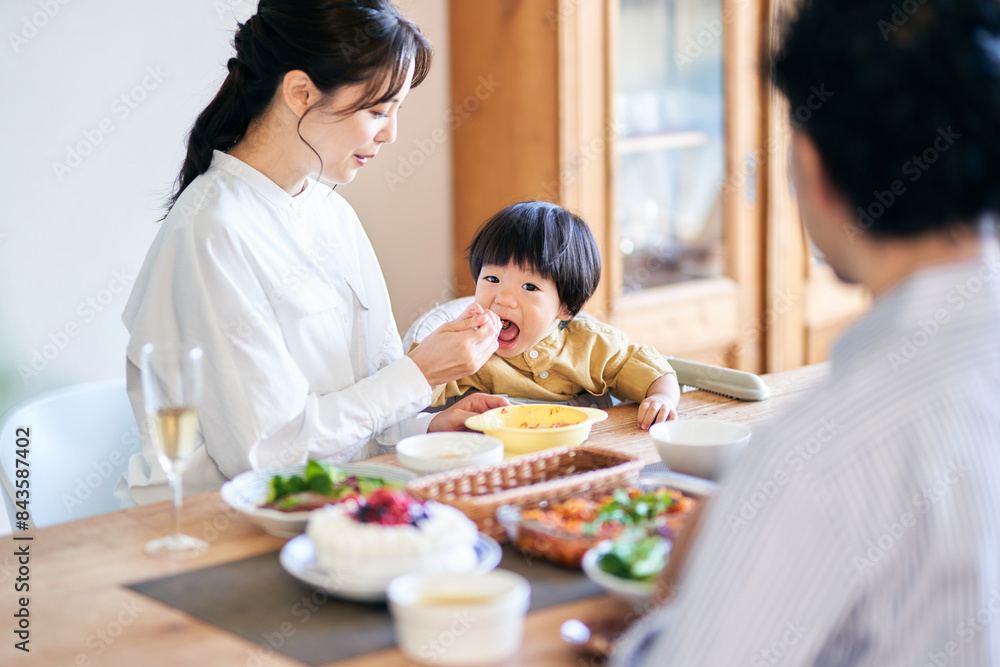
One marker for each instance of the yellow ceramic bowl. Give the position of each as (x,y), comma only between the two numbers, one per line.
(530,428)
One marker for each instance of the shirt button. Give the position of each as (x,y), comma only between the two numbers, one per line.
(543,374)
(295,205)
(533,354)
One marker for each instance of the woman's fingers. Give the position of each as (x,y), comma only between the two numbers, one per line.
(453,419)
(472,321)
(459,348)
(472,310)
(480,402)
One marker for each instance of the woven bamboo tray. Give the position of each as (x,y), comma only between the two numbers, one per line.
(552,474)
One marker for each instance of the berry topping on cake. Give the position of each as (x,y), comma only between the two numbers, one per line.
(386,507)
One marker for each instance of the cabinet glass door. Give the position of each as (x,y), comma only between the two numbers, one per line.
(668,107)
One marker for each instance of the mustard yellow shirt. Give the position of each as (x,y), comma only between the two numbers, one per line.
(587,356)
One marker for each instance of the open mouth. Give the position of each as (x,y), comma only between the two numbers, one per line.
(363,158)
(508,334)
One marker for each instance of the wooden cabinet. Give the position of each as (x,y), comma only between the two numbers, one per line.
(651,120)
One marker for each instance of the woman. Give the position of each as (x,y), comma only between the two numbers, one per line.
(264,266)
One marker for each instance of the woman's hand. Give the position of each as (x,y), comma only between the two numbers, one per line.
(460,348)
(453,419)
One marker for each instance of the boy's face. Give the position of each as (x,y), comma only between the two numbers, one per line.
(529,302)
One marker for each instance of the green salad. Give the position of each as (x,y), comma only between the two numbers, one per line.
(633,507)
(640,557)
(320,484)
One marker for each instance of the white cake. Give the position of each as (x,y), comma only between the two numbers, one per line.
(442,542)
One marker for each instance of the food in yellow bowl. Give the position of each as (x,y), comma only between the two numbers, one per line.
(533,427)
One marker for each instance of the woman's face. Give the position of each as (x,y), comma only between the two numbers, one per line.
(346,143)
(527,301)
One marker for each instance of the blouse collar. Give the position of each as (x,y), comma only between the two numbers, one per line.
(260,183)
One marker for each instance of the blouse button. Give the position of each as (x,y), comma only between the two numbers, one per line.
(543,374)
(533,354)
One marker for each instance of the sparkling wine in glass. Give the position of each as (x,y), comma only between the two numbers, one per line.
(171,390)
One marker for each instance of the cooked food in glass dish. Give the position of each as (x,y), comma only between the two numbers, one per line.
(562,532)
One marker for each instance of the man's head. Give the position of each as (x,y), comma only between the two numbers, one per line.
(535,265)
(896,110)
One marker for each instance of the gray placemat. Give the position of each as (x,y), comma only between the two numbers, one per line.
(256,599)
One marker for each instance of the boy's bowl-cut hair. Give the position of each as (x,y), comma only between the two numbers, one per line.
(547,239)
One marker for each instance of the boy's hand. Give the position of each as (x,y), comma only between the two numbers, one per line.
(660,403)
(656,408)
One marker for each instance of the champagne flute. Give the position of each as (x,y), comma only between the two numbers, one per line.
(171,391)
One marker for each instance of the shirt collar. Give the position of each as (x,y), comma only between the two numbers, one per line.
(260,183)
(545,349)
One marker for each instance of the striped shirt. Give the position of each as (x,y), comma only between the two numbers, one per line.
(863,527)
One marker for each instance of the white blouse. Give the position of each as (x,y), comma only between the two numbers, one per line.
(285,295)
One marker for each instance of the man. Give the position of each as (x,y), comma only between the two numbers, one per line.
(863,527)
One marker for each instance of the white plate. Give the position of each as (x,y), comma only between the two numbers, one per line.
(299,559)
(248,491)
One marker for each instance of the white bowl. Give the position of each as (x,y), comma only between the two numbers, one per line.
(248,491)
(459,619)
(700,447)
(434,452)
(636,592)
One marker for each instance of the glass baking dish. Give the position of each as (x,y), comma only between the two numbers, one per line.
(559,538)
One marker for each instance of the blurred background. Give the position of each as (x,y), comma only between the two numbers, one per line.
(101,96)
(650,118)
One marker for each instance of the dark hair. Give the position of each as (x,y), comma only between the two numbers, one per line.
(903,103)
(546,239)
(336,43)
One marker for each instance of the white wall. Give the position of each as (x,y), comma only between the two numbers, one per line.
(404,196)
(99,96)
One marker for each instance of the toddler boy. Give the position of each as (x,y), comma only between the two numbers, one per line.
(536,265)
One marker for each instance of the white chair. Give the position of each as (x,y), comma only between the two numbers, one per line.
(79,441)
(433,318)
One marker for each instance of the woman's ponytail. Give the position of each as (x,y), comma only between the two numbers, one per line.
(218,127)
(244,95)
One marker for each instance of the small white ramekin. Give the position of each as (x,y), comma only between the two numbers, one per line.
(459,619)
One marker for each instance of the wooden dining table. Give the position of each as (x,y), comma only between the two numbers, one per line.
(72,577)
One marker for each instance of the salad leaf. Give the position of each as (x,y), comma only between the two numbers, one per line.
(275,489)
(629,511)
(279,487)
(640,559)
(322,477)
(320,480)
(368,484)
(318,477)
